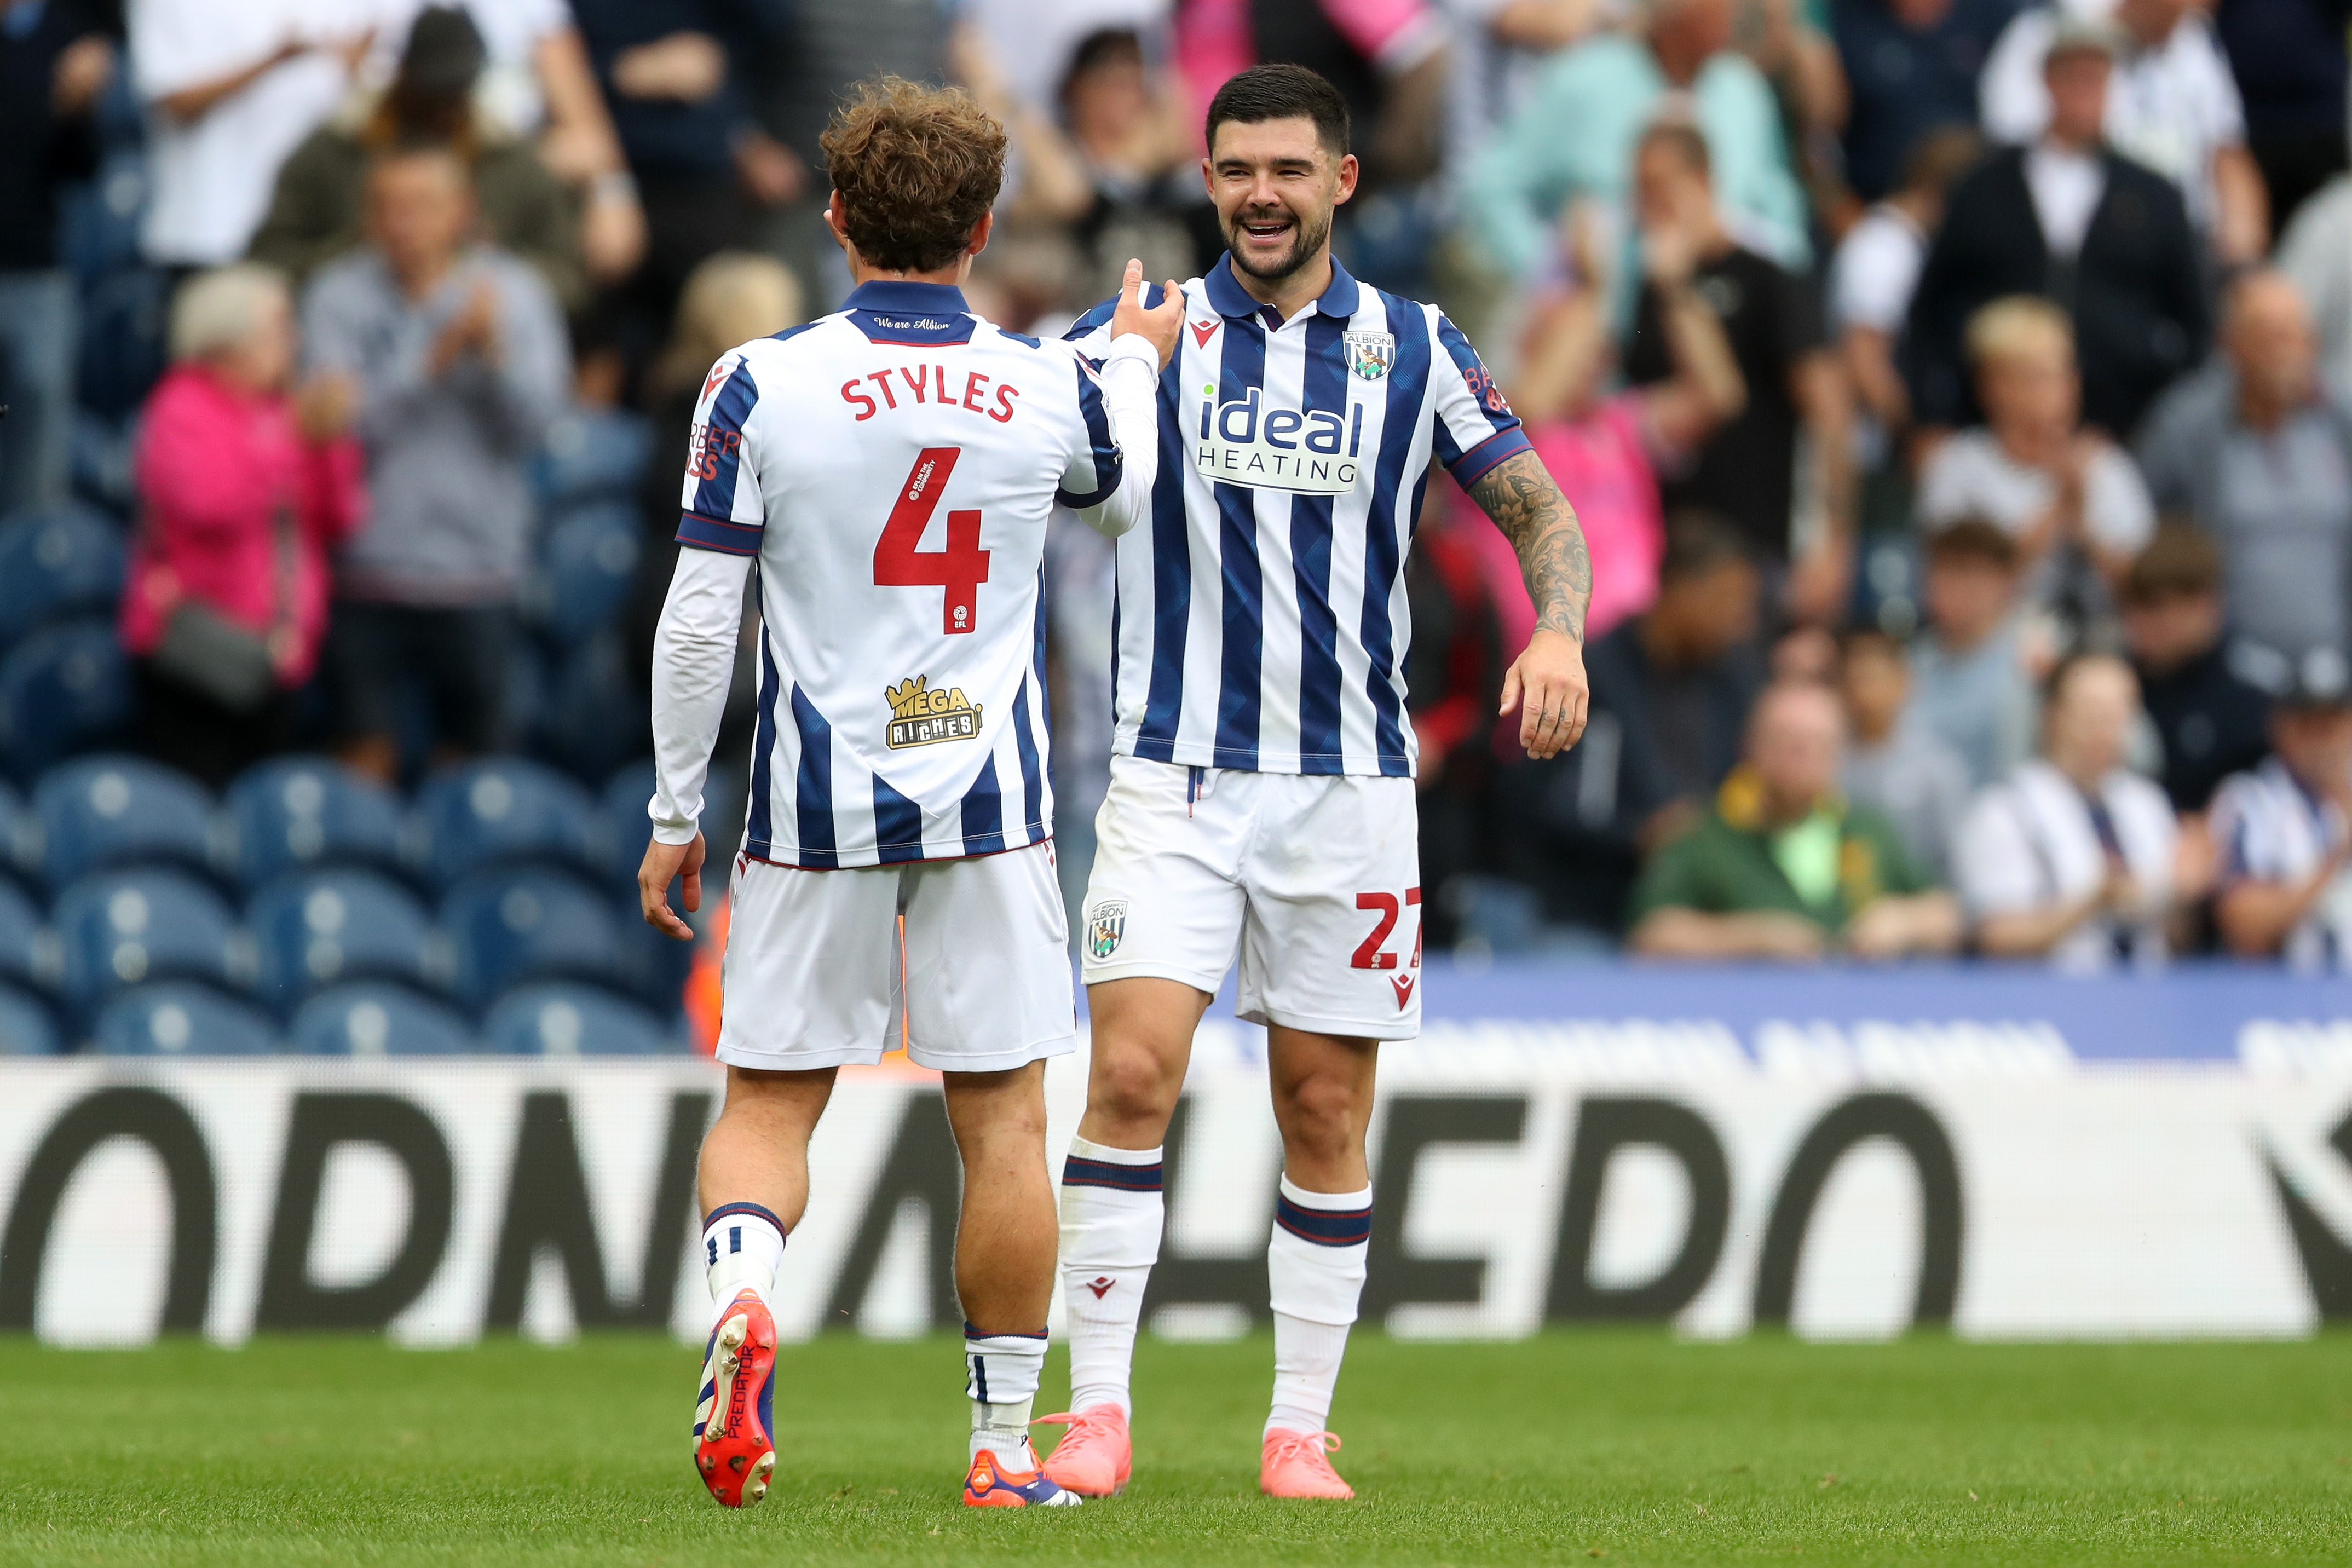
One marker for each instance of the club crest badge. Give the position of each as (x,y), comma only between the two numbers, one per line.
(1369,354)
(1105,923)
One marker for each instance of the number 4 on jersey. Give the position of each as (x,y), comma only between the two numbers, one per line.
(960,569)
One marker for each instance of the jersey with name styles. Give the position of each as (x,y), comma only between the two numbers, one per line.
(1261,620)
(891,468)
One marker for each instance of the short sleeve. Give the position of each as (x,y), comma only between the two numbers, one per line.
(721,508)
(1872,278)
(1993,866)
(2121,516)
(1676,878)
(1475,428)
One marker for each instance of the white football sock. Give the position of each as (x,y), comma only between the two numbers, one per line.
(1314,1275)
(1111,1220)
(742,1244)
(1000,1378)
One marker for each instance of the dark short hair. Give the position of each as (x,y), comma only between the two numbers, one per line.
(917,168)
(1282,92)
(1973,539)
(2179,563)
(1103,46)
(1699,542)
(1685,139)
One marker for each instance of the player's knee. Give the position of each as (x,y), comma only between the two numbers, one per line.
(1324,1119)
(1133,1087)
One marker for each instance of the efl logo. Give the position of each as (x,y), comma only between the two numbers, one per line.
(1306,453)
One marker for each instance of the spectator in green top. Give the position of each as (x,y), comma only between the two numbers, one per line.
(1783,868)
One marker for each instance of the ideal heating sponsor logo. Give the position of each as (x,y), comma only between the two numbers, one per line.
(1313,452)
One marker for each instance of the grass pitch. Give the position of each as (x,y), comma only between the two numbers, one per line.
(1620,1448)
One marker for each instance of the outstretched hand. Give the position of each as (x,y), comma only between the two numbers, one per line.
(661,863)
(1162,323)
(1545,687)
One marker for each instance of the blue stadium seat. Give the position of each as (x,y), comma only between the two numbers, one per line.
(63,561)
(314,928)
(624,798)
(591,453)
(374,1018)
(505,810)
(122,928)
(27,952)
(124,324)
(64,689)
(571,1021)
(587,568)
(529,923)
(295,812)
(596,713)
(181,1018)
(113,810)
(27,1028)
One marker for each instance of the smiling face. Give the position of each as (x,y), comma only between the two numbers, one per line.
(1274,184)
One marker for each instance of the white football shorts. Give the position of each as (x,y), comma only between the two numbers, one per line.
(814,975)
(1314,880)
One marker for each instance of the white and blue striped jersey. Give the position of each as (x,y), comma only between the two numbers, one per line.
(2269,828)
(891,469)
(1261,620)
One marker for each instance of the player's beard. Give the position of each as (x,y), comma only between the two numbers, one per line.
(1307,237)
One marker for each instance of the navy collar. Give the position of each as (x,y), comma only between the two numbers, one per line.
(1227,296)
(897,296)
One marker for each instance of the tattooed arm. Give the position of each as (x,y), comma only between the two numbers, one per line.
(1546,683)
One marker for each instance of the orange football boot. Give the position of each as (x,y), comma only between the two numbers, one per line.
(1299,1464)
(1094,1456)
(734,1419)
(990,1485)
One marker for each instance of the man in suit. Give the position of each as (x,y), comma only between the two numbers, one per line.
(2068,217)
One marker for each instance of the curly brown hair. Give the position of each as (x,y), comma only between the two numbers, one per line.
(917,168)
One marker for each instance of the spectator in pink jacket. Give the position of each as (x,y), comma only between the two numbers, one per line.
(244,488)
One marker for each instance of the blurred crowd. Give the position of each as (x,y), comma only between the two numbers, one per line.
(1949,390)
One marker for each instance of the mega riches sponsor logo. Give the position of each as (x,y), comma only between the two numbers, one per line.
(1244,441)
(922,714)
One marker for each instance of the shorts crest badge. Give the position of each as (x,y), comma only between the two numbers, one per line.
(1105,923)
(1369,354)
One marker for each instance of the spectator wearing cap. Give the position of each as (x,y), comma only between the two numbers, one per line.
(1968,679)
(2172,107)
(316,212)
(460,353)
(2258,450)
(1671,691)
(1894,765)
(1747,468)
(2072,858)
(1913,66)
(243,490)
(2069,495)
(2066,217)
(1784,867)
(2209,719)
(2282,833)
(1575,135)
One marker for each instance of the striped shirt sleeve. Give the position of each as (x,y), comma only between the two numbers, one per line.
(720,506)
(1475,429)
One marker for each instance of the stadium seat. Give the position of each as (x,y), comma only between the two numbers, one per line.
(61,562)
(375,1018)
(571,1021)
(623,799)
(27,952)
(591,453)
(319,928)
(113,810)
(296,812)
(597,714)
(586,571)
(528,923)
(181,1018)
(64,689)
(122,928)
(27,1028)
(502,810)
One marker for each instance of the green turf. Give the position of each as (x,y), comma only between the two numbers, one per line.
(1624,1447)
